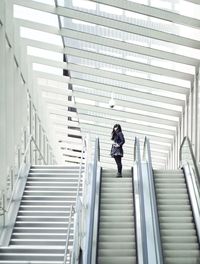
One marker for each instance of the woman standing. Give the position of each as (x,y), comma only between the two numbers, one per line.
(117,150)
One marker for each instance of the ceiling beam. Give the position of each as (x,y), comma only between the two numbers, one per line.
(110,23)
(111,75)
(128,102)
(99,40)
(125,63)
(108,112)
(114,89)
(152,12)
(127,124)
(136,133)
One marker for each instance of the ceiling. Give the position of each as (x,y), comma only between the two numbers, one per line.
(143,54)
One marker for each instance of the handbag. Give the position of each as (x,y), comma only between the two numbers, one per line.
(114,150)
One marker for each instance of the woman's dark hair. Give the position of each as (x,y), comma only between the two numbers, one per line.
(119,129)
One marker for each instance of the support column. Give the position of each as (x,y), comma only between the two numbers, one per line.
(3,134)
(196,116)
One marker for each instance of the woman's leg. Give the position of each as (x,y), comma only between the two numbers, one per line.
(118,160)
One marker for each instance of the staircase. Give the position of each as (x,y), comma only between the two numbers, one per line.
(116,240)
(178,233)
(39,234)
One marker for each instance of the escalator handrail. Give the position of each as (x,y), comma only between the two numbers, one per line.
(193,182)
(154,210)
(139,207)
(91,212)
(192,156)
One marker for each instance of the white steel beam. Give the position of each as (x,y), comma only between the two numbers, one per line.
(111,23)
(90,55)
(152,12)
(129,102)
(137,134)
(133,125)
(111,88)
(100,130)
(101,111)
(110,75)
(92,38)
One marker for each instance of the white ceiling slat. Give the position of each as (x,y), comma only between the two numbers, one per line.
(127,91)
(111,75)
(129,47)
(111,23)
(99,40)
(137,134)
(152,11)
(109,88)
(125,103)
(133,124)
(104,138)
(127,27)
(128,64)
(127,78)
(123,114)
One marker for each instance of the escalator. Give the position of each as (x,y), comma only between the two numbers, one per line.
(177,227)
(116,236)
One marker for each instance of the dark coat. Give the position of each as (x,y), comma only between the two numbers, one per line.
(119,139)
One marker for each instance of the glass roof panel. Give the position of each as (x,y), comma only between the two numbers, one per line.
(35,15)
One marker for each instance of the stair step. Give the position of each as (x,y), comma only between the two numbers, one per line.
(54,174)
(116,245)
(173,226)
(29,257)
(117,190)
(43,218)
(114,213)
(117,260)
(50,224)
(43,213)
(49,198)
(61,236)
(39,208)
(49,193)
(51,230)
(119,225)
(46,242)
(53,179)
(113,231)
(54,184)
(117,252)
(116,219)
(174,213)
(182,260)
(181,246)
(51,188)
(117,238)
(182,253)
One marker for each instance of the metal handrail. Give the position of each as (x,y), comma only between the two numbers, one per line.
(68,234)
(155,223)
(5,210)
(139,206)
(191,172)
(89,240)
(192,156)
(77,196)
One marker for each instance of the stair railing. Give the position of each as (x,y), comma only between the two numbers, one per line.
(5,208)
(189,165)
(93,170)
(77,211)
(139,206)
(68,234)
(152,223)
